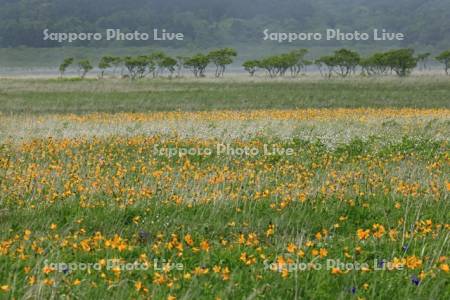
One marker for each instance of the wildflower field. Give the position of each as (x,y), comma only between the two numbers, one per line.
(297,201)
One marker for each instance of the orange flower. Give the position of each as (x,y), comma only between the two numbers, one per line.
(323,252)
(291,248)
(318,236)
(76,282)
(47,270)
(225,274)
(363,234)
(271,230)
(398,262)
(85,245)
(336,271)
(158,279)
(393,234)
(444,267)
(378,231)
(27,234)
(49,282)
(413,262)
(200,271)
(204,245)
(188,239)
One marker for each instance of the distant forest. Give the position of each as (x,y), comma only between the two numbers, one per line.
(214,23)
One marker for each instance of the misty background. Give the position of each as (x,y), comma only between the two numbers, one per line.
(209,24)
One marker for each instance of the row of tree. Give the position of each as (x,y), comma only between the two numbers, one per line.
(343,63)
(157,63)
(278,65)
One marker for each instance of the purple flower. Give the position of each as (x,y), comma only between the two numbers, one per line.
(415,280)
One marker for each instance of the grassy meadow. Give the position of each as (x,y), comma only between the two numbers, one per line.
(240,188)
(239,92)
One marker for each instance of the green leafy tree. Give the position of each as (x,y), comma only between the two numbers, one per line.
(401,61)
(65,64)
(136,66)
(326,65)
(422,59)
(181,61)
(251,66)
(221,58)
(377,64)
(84,67)
(444,58)
(277,64)
(270,65)
(299,62)
(104,64)
(343,62)
(155,63)
(198,64)
(169,64)
(116,62)
(285,62)
(346,61)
